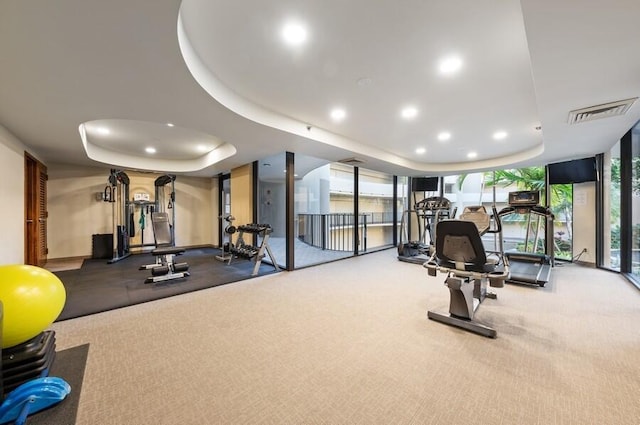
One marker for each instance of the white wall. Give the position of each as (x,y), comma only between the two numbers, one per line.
(584,221)
(12,195)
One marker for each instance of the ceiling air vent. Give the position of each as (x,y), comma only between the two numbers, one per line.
(352,161)
(601,111)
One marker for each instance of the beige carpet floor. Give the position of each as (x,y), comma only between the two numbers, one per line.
(350,343)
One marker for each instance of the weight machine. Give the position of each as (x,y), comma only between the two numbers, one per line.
(124,208)
(117,193)
(165,191)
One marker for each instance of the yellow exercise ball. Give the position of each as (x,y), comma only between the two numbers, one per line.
(32,299)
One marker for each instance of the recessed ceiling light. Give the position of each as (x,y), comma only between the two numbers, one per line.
(443,136)
(150,149)
(420,151)
(499,135)
(409,112)
(472,155)
(169,124)
(202,148)
(103,130)
(338,114)
(294,34)
(450,65)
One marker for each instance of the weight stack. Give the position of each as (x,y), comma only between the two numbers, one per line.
(27,361)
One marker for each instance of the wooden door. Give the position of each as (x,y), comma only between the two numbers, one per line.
(35,243)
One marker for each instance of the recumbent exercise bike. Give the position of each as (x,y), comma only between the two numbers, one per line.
(460,253)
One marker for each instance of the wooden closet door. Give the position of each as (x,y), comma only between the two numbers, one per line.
(35,212)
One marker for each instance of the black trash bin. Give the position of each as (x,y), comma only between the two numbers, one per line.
(102,246)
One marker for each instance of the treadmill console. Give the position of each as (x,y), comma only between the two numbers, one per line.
(433,203)
(524,198)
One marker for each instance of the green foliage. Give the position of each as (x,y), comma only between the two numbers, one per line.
(615,237)
(635,236)
(635,171)
(533,178)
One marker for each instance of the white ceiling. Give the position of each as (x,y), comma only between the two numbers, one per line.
(220,72)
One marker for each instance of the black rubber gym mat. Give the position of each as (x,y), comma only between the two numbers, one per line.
(98,286)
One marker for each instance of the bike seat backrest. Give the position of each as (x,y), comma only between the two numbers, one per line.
(458,246)
(479,216)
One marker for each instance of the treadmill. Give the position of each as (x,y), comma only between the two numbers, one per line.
(529,267)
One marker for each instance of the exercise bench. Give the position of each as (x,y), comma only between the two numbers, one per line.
(165,268)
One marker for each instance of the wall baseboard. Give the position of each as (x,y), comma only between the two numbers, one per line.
(62,259)
(586,264)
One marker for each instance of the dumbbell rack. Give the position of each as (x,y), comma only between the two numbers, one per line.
(250,252)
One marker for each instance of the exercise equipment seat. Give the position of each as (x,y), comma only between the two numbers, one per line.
(165,267)
(460,254)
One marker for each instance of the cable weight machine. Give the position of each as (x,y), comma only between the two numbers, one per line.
(165,192)
(117,193)
(123,208)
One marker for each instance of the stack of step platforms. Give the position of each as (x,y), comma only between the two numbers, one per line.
(27,361)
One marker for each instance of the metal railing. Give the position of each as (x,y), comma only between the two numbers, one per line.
(335,231)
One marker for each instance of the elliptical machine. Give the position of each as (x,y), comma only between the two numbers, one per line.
(428,213)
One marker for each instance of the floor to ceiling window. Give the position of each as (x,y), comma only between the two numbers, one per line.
(271,199)
(323,211)
(561,204)
(619,223)
(402,203)
(375,193)
(468,190)
(635,201)
(611,208)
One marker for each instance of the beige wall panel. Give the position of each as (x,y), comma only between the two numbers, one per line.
(215,208)
(75,214)
(584,219)
(241,199)
(195,217)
